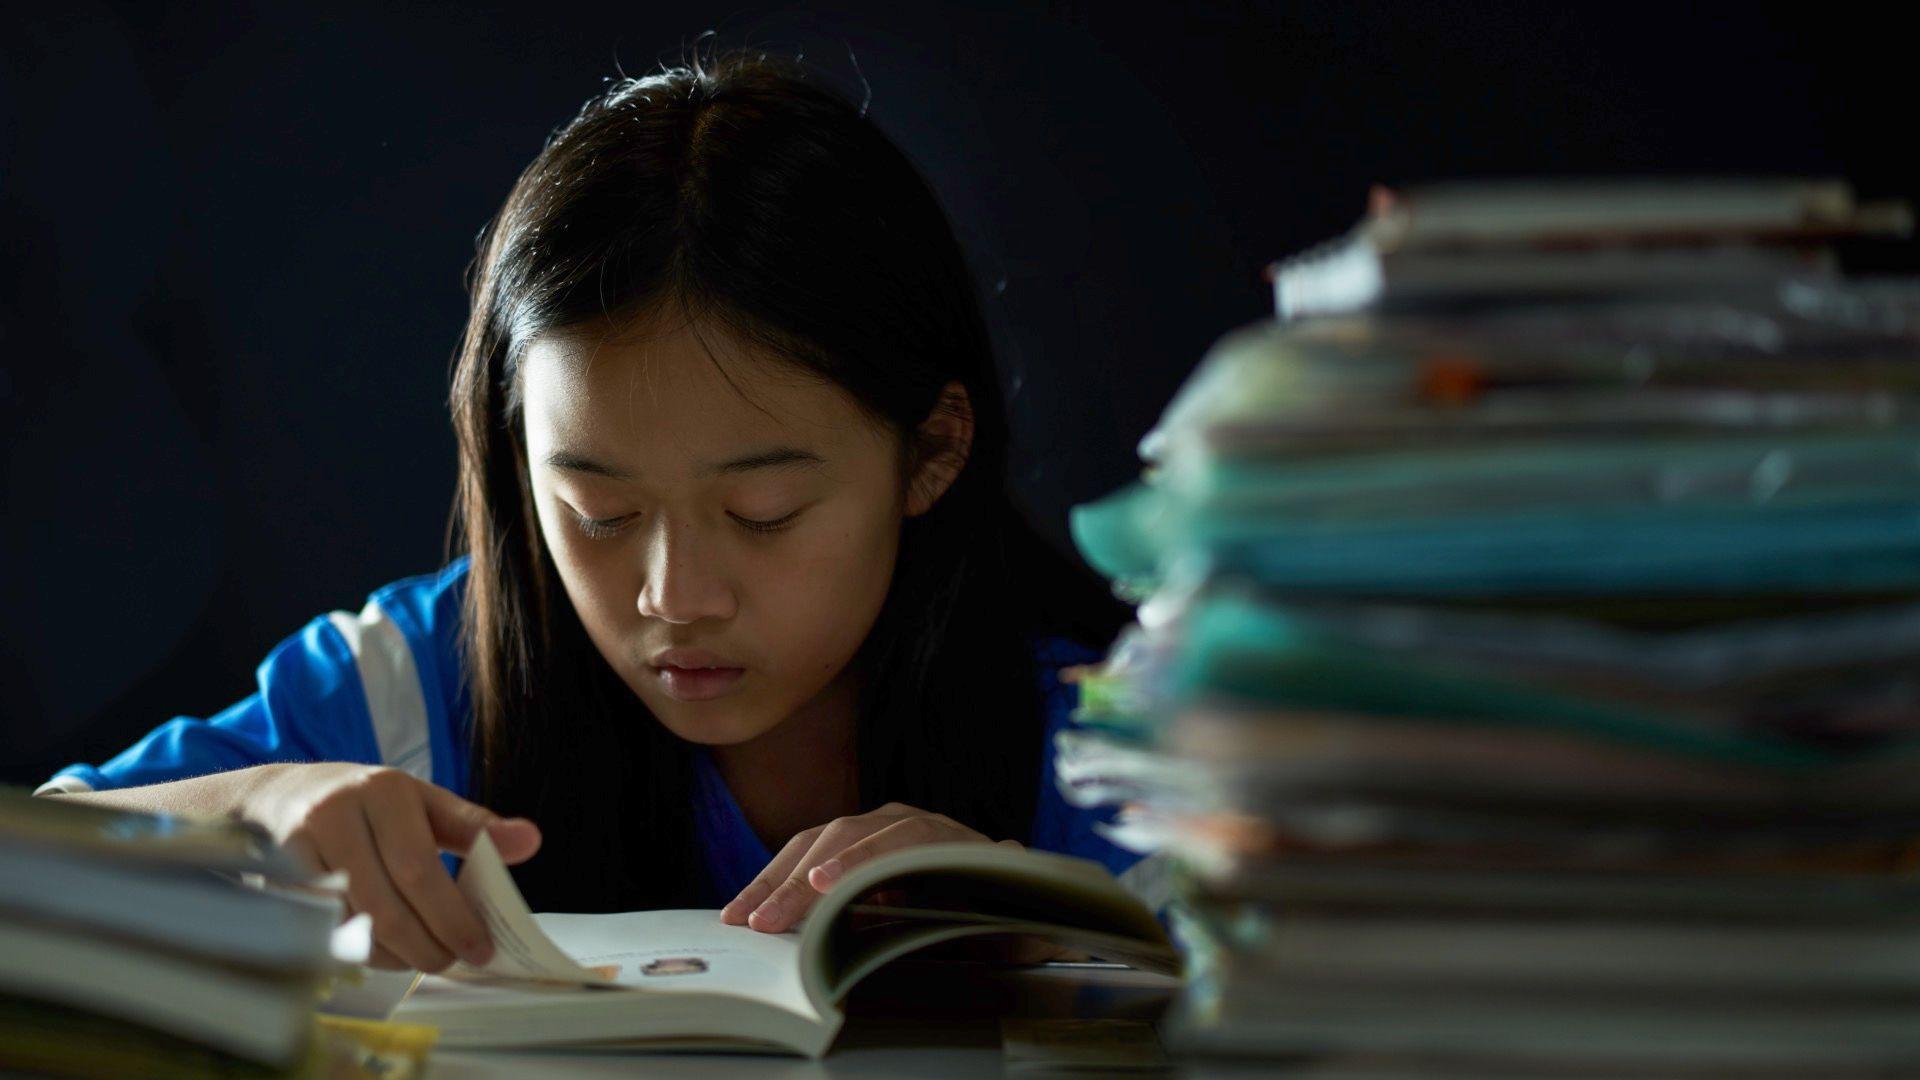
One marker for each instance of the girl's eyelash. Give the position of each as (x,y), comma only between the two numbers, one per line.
(602,528)
(596,529)
(768,526)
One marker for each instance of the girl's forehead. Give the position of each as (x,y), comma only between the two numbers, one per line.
(681,392)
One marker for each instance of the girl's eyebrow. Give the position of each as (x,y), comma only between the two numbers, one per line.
(569,461)
(778,457)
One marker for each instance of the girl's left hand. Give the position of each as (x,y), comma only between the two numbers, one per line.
(816,858)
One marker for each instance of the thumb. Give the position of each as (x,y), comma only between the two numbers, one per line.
(456,823)
(516,838)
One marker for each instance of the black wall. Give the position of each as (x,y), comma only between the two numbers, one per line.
(235,235)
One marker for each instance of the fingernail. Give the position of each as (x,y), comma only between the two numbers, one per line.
(830,869)
(477,953)
(766,912)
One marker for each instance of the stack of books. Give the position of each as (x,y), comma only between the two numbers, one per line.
(1532,674)
(1476,245)
(145,945)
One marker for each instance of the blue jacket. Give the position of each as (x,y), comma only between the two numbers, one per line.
(385,686)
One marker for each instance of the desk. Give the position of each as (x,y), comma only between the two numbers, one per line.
(900,1024)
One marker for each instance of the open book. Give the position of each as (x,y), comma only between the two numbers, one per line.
(685,980)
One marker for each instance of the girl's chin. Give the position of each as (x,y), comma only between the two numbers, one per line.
(707,726)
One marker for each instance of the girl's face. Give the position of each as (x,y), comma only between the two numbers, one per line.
(752,513)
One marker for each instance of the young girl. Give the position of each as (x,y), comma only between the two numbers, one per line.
(743,599)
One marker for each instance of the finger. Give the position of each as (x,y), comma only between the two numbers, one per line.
(349,846)
(517,839)
(412,861)
(301,848)
(769,878)
(789,898)
(915,830)
(455,823)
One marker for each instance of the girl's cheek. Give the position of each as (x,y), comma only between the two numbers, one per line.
(848,586)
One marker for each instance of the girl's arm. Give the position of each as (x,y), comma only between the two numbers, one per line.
(214,795)
(337,755)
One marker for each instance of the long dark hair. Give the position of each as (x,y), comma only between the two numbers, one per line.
(758,200)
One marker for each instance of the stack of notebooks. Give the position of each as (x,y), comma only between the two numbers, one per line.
(1527,663)
(146,945)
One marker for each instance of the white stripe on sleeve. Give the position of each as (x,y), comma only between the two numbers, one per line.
(395,700)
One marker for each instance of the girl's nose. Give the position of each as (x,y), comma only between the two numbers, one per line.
(683,580)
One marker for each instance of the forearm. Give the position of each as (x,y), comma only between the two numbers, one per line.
(221,794)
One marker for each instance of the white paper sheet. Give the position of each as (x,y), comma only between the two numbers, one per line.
(685,950)
(681,950)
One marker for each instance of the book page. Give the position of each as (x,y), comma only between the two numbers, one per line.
(984,888)
(685,951)
(873,946)
(521,950)
(668,951)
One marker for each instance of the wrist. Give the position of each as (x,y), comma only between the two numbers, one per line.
(257,788)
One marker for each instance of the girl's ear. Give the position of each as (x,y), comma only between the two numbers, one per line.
(943,441)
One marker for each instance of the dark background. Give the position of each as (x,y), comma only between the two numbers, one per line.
(236,232)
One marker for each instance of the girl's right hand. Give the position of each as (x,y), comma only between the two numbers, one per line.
(386,829)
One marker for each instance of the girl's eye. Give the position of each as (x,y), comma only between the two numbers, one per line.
(605,527)
(599,528)
(769,526)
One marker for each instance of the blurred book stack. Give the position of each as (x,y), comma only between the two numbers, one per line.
(130,945)
(1527,663)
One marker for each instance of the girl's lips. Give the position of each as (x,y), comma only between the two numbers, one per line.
(698,684)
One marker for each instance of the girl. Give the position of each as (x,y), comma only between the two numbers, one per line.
(743,599)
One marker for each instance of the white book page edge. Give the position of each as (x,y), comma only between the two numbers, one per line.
(521,950)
